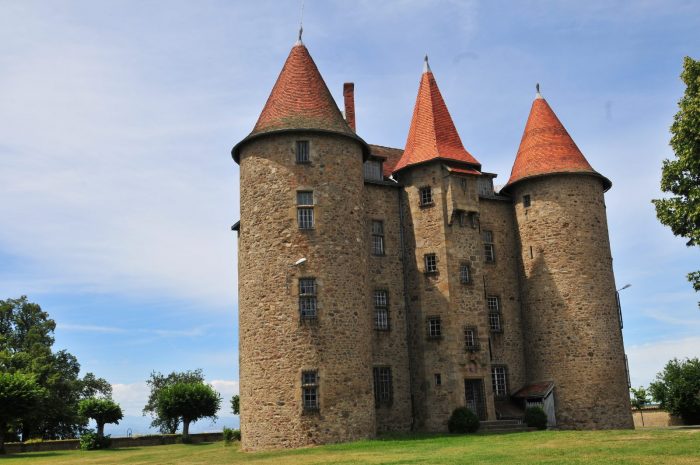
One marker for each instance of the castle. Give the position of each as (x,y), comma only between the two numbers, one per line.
(381,288)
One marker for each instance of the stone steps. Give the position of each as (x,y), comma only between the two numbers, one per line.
(503,426)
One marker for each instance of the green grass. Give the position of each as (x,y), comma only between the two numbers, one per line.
(651,447)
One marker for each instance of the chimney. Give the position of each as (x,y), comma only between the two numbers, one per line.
(349,97)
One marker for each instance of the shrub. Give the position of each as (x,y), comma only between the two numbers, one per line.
(535,418)
(231,435)
(463,421)
(91,441)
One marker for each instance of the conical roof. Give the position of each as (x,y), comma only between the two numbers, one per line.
(300,101)
(547,148)
(432,134)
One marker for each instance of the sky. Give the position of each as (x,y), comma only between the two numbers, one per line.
(118,191)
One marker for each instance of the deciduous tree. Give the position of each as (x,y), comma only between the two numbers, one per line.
(159,381)
(681,176)
(677,389)
(103,411)
(19,394)
(640,398)
(189,402)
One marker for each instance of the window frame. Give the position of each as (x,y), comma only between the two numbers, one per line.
(527,200)
(425,196)
(493,306)
(378,238)
(465,273)
(489,246)
(430,263)
(471,339)
(372,173)
(302,156)
(434,327)
(305,211)
(383,386)
(499,381)
(310,390)
(381,310)
(308,299)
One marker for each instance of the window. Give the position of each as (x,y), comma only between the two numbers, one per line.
(305,209)
(489,253)
(434,327)
(382,386)
(463,183)
(373,170)
(426,195)
(464,275)
(302,151)
(499,379)
(526,200)
(494,307)
(309,390)
(438,379)
(377,237)
(381,311)
(471,341)
(307,298)
(430,263)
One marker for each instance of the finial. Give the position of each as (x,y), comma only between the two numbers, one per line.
(301,24)
(426,65)
(538,95)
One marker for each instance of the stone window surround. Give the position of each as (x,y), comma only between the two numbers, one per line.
(383,386)
(493,305)
(465,273)
(434,327)
(425,196)
(527,200)
(305,209)
(381,310)
(437,377)
(499,381)
(302,152)
(471,339)
(489,246)
(430,263)
(308,295)
(309,390)
(378,249)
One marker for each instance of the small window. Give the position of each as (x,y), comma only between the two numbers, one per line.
(434,327)
(426,195)
(526,200)
(438,379)
(463,218)
(377,237)
(307,299)
(305,209)
(381,311)
(373,170)
(471,341)
(489,252)
(499,378)
(309,390)
(464,274)
(430,263)
(302,152)
(494,308)
(382,386)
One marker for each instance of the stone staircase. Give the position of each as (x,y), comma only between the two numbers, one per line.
(503,426)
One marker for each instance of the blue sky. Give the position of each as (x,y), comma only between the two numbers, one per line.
(117,190)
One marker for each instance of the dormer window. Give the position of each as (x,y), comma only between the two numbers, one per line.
(373,170)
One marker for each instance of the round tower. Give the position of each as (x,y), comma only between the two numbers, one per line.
(571,322)
(304,337)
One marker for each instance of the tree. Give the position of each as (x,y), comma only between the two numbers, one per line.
(158,382)
(639,399)
(189,402)
(677,389)
(681,176)
(236,404)
(103,411)
(26,340)
(19,394)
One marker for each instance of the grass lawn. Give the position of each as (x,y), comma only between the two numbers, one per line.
(651,447)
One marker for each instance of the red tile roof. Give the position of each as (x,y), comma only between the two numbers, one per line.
(390,155)
(547,148)
(459,170)
(432,134)
(539,389)
(300,100)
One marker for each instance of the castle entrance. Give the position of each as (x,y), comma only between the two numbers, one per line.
(474,394)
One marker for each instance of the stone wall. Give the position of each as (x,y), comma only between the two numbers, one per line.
(654,418)
(276,346)
(571,325)
(389,348)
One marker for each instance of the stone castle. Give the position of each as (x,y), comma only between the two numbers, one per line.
(381,288)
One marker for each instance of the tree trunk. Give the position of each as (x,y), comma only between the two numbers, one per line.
(100,430)
(641,414)
(185,428)
(2,438)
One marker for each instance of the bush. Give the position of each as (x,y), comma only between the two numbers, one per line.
(463,421)
(91,441)
(231,435)
(535,418)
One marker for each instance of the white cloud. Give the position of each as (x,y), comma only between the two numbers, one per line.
(646,360)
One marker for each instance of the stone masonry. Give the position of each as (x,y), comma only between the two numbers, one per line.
(416,287)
